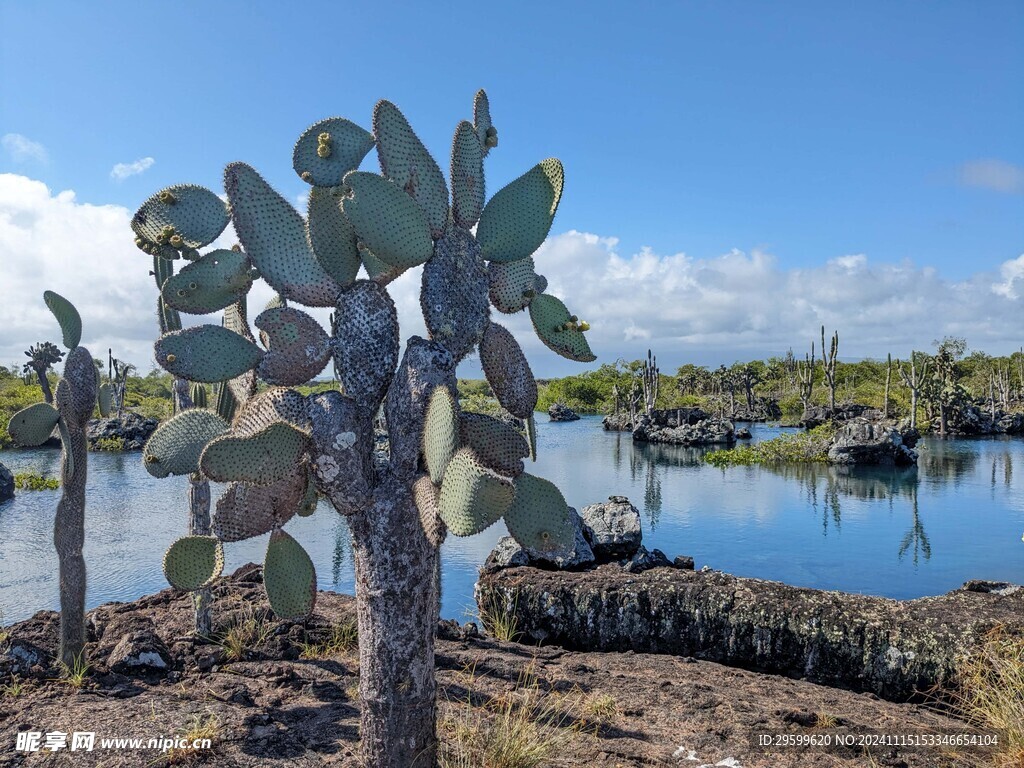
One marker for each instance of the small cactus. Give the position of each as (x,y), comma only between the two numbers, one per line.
(76,397)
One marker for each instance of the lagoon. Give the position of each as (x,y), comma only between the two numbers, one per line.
(899,533)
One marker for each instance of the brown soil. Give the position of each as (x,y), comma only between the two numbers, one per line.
(275,708)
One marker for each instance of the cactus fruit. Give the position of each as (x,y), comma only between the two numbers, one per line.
(213,282)
(261,459)
(388,221)
(554,326)
(193,562)
(289,577)
(348,145)
(472,496)
(33,426)
(539,518)
(467,175)
(441,434)
(406,162)
(207,353)
(67,317)
(194,213)
(273,234)
(176,445)
(518,218)
(498,444)
(507,371)
(453,293)
(298,348)
(331,236)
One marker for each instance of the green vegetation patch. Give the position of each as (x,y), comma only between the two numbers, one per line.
(26,481)
(801,447)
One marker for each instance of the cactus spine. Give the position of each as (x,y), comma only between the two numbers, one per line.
(828,366)
(284,449)
(75,399)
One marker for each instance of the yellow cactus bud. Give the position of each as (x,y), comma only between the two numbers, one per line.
(324,137)
(168,198)
(306,176)
(171,358)
(584,326)
(176,241)
(324,151)
(237,247)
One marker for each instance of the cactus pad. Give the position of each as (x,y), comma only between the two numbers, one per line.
(348,145)
(405,161)
(377,270)
(387,220)
(467,176)
(498,445)
(197,393)
(246,510)
(310,499)
(297,347)
(539,518)
(76,390)
(33,426)
(273,405)
(195,214)
(427,495)
(518,218)
(207,353)
(289,577)
(365,342)
(67,316)
(176,445)
(508,371)
(550,316)
(262,458)
(472,497)
(274,237)
(331,236)
(193,562)
(440,432)
(482,117)
(513,284)
(104,399)
(453,293)
(213,282)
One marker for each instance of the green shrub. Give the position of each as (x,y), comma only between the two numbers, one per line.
(801,447)
(26,481)
(113,444)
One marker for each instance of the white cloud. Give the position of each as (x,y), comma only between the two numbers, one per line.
(996,175)
(733,306)
(22,149)
(122,171)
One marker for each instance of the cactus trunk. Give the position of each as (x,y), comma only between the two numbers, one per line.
(397,602)
(44,384)
(68,538)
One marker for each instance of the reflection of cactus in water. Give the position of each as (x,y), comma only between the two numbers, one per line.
(282,449)
(75,398)
(916,536)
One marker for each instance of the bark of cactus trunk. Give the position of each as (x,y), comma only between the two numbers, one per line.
(44,384)
(397,606)
(68,539)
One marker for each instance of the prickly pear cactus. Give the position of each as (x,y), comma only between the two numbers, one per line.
(280,451)
(78,393)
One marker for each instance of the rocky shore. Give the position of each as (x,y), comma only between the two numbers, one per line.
(273,693)
(131,430)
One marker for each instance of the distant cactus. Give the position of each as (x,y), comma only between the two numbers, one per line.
(805,374)
(828,366)
(914,379)
(650,377)
(888,382)
(42,357)
(446,470)
(76,398)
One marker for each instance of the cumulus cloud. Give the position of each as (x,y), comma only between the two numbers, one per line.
(733,306)
(22,149)
(996,175)
(122,171)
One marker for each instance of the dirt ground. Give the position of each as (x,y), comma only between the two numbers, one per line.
(291,698)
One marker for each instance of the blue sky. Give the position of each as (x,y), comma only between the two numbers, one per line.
(763,141)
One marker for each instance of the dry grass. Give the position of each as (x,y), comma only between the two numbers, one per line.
(599,706)
(76,674)
(825,720)
(247,630)
(525,727)
(200,727)
(499,620)
(991,694)
(343,637)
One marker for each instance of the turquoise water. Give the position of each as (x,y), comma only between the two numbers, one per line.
(901,533)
